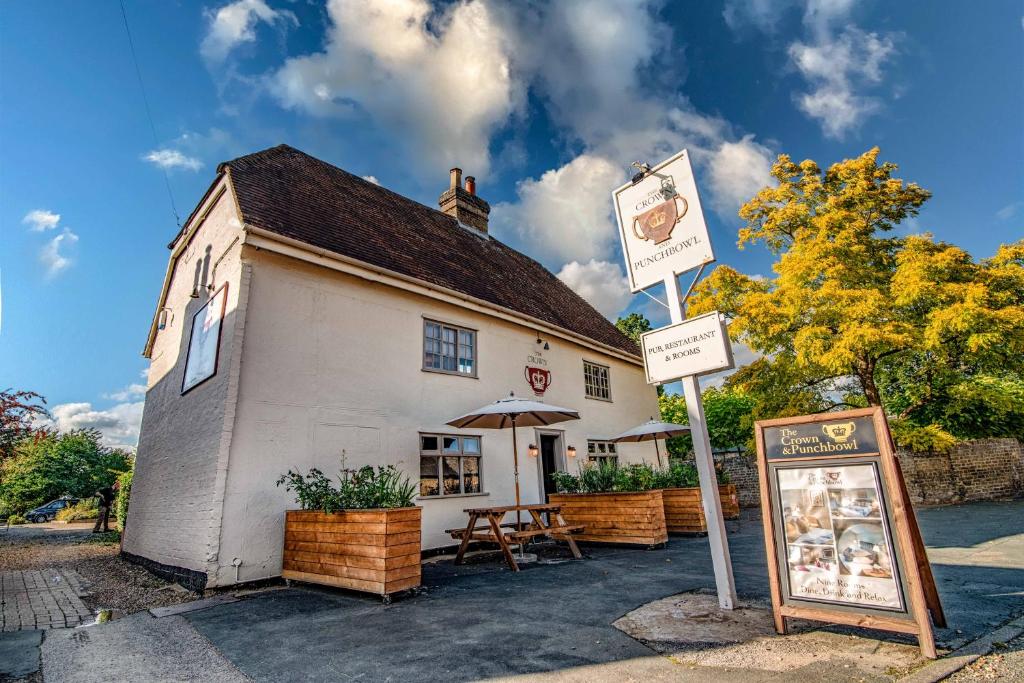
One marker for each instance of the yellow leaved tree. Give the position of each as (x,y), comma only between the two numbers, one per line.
(858,315)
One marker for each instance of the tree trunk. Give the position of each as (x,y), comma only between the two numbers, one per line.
(866,375)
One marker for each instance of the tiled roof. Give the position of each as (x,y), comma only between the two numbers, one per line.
(290,193)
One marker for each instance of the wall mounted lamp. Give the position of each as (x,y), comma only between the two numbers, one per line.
(533,451)
(571,451)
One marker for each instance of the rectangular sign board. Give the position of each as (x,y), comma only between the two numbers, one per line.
(841,538)
(697,346)
(661,224)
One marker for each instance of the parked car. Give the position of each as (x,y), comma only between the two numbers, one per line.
(46,513)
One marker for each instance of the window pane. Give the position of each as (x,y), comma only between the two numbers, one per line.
(601,446)
(471,475)
(470,444)
(451,444)
(428,443)
(611,448)
(591,446)
(428,477)
(451,475)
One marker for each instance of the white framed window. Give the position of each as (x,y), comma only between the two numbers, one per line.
(449,348)
(595,381)
(449,465)
(599,452)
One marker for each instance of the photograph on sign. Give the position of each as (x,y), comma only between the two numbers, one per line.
(837,543)
(697,346)
(661,223)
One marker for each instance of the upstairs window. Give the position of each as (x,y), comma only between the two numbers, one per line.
(447,348)
(449,465)
(600,452)
(595,381)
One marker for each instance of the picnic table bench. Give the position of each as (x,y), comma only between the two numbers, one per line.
(495,530)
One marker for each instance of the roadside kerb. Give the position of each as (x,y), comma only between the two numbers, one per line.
(969,653)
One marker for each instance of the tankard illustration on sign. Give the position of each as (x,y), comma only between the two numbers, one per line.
(839,432)
(656,224)
(539,379)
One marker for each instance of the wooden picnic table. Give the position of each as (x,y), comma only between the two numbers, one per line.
(494,530)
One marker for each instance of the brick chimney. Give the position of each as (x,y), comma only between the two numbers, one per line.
(462,202)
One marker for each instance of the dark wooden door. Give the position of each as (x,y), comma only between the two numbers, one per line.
(548,462)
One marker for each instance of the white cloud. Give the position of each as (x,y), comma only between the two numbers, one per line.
(738,170)
(40,220)
(837,68)
(235,23)
(52,255)
(119,424)
(371,179)
(127,393)
(566,214)
(1009,211)
(601,283)
(439,81)
(172,158)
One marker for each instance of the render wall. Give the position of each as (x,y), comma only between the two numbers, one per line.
(174,515)
(332,363)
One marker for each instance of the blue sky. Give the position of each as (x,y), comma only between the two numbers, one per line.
(546,103)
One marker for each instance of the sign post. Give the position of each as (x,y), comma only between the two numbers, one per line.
(663,235)
(842,542)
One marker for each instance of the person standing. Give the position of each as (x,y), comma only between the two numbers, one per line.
(106,496)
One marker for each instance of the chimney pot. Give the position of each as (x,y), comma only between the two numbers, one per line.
(470,184)
(456,178)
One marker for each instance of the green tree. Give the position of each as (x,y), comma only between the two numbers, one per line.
(728,413)
(73,463)
(857,316)
(17,411)
(633,325)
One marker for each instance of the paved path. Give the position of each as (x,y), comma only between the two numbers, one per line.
(41,599)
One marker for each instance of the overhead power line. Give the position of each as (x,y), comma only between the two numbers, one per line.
(149,113)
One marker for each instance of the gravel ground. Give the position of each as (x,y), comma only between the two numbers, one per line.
(113,582)
(1003,664)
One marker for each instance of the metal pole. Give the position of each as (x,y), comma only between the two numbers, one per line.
(720,558)
(658,452)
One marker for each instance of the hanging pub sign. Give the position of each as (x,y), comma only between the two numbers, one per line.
(661,223)
(841,538)
(536,373)
(697,346)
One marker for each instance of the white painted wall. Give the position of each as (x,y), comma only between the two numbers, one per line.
(332,362)
(175,515)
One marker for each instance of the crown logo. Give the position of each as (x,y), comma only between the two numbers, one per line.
(839,432)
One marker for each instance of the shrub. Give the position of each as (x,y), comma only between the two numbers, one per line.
(606,477)
(87,508)
(365,488)
(931,438)
(16,519)
(123,496)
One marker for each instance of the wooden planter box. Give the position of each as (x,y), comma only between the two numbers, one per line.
(376,551)
(635,518)
(684,509)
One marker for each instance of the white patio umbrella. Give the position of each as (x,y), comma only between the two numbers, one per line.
(652,431)
(514,412)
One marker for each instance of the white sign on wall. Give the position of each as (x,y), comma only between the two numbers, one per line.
(697,346)
(661,224)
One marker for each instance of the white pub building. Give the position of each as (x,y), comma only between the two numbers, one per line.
(308,315)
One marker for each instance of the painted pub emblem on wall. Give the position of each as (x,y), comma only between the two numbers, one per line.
(539,379)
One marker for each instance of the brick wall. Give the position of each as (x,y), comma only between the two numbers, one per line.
(984,469)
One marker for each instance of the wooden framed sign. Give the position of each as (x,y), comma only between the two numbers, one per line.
(841,538)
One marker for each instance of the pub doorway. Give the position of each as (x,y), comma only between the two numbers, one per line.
(551,460)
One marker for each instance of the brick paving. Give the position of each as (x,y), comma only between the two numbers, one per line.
(42,599)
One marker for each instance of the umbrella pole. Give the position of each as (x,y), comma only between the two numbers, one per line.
(657,452)
(515,465)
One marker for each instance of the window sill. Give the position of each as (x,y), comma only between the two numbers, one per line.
(453,495)
(452,373)
(598,398)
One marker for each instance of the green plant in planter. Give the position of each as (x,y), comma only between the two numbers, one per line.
(606,477)
(365,488)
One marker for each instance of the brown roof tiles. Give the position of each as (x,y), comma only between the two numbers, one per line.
(288,192)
